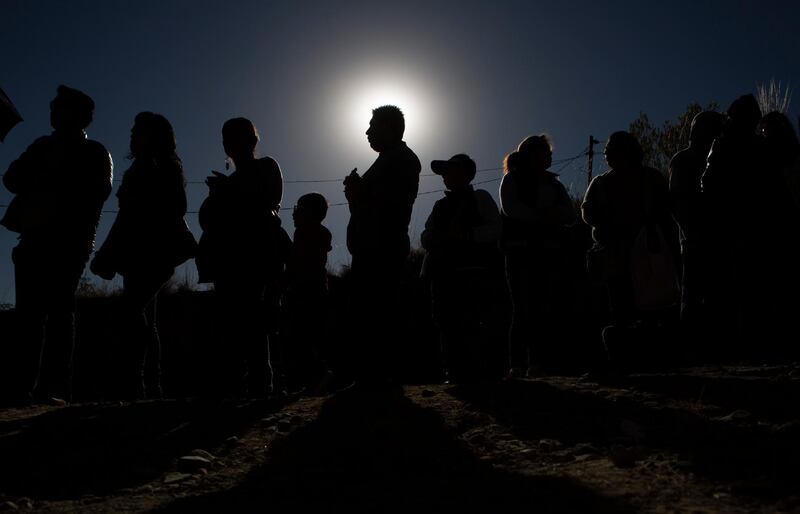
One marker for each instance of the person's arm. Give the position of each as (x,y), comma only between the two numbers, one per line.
(429,237)
(681,190)
(275,186)
(21,175)
(593,209)
(488,230)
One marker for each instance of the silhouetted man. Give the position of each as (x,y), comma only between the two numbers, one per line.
(685,173)
(377,237)
(61,182)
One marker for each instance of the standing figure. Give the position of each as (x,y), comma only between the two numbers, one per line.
(779,277)
(61,182)
(380,204)
(461,240)
(148,240)
(306,299)
(734,178)
(628,208)
(685,173)
(536,211)
(243,251)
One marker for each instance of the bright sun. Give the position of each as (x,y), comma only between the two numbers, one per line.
(356,100)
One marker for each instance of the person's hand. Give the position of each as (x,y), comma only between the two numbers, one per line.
(215,179)
(352,186)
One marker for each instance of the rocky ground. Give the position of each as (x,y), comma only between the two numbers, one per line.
(696,440)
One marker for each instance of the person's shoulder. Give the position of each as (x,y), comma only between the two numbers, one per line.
(601,179)
(95,147)
(267,164)
(483,195)
(409,156)
(683,159)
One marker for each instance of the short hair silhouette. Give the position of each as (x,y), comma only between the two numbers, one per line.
(71,109)
(239,135)
(392,116)
(315,204)
(159,142)
(532,150)
(623,146)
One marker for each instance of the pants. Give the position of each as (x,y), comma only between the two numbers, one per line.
(139,354)
(246,318)
(460,302)
(304,337)
(533,279)
(376,316)
(46,280)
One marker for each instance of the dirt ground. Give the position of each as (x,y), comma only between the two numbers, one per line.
(694,440)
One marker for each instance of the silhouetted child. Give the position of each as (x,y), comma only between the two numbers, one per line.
(461,239)
(305,301)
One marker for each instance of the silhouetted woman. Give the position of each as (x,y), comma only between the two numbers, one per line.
(148,240)
(536,210)
(243,251)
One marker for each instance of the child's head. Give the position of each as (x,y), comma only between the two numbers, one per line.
(457,172)
(311,209)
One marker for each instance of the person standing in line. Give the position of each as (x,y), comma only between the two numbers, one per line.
(305,304)
(61,182)
(461,242)
(243,250)
(536,211)
(685,173)
(148,240)
(380,205)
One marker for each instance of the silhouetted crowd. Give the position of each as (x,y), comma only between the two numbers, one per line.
(692,260)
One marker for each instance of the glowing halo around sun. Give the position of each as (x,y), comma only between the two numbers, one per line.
(355,101)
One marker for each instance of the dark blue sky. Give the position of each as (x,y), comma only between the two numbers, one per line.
(478,77)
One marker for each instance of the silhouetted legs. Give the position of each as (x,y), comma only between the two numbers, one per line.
(304,339)
(460,304)
(377,320)
(244,362)
(533,278)
(46,281)
(140,369)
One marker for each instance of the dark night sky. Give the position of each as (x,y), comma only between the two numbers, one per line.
(473,77)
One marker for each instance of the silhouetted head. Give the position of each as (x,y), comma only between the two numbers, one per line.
(743,115)
(536,152)
(386,127)
(512,161)
(310,209)
(779,133)
(623,151)
(152,137)
(71,109)
(706,126)
(239,138)
(457,172)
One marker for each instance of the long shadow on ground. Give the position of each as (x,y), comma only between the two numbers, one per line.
(382,453)
(97,449)
(719,449)
(776,397)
